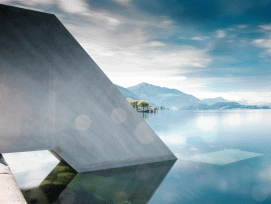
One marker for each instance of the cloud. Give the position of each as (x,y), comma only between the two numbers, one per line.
(265,27)
(197,38)
(123,2)
(75,7)
(264,43)
(186,57)
(230,41)
(156,44)
(167,22)
(242,26)
(29,2)
(221,34)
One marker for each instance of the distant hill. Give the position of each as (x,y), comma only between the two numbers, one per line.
(175,99)
(211,101)
(126,93)
(222,106)
(161,96)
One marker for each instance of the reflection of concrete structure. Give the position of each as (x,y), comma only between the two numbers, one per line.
(134,184)
(53,96)
(223,157)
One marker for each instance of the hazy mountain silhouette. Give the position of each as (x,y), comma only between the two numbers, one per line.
(161,96)
(211,101)
(126,93)
(173,98)
(222,106)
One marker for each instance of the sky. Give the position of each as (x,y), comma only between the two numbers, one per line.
(205,48)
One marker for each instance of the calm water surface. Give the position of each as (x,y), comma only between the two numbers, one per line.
(190,133)
(186,133)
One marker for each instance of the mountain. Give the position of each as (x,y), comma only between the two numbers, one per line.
(211,101)
(175,99)
(126,93)
(161,96)
(222,106)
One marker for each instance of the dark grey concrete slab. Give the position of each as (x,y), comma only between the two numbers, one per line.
(54,96)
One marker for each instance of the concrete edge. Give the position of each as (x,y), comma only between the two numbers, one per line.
(9,190)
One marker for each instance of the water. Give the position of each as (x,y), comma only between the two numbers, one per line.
(238,140)
(189,133)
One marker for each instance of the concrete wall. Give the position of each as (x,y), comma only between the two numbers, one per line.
(54,96)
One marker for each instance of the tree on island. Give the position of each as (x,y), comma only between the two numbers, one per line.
(143,104)
(134,103)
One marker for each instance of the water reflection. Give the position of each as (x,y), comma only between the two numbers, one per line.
(189,182)
(52,186)
(30,168)
(134,184)
(206,132)
(145,116)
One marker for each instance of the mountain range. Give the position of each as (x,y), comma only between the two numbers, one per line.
(161,96)
(223,106)
(211,101)
(127,94)
(175,99)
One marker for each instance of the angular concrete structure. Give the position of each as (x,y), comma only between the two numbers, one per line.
(54,97)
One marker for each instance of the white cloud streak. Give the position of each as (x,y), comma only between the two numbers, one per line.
(197,38)
(29,2)
(221,34)
(264,43)
(242,26)
(185,57)
(155,44)
(124,2)
(74,7)
(265,27)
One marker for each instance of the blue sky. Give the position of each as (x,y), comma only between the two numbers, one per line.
(205,48)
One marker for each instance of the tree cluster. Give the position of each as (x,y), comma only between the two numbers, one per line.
(136,103)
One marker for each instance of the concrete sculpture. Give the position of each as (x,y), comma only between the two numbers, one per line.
(54,97)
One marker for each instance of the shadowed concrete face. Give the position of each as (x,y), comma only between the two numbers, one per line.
(54,96)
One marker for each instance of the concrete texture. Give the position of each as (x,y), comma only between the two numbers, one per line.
(9,191)
(55,97)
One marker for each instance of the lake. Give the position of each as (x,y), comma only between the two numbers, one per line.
(189,133)
(223,157)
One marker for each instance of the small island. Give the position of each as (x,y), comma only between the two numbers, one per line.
(144,106)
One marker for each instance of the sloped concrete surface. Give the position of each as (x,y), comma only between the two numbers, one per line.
(55,97)
(9,191)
